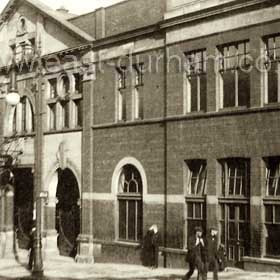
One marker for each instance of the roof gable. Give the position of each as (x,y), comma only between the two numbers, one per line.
(49,13)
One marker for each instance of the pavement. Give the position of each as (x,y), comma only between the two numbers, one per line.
(65,269)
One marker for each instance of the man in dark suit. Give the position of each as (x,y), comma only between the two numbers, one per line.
(196,256)
(212,253)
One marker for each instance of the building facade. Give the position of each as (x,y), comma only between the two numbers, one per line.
(161,112)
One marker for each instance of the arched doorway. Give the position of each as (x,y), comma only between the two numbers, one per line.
(67,221)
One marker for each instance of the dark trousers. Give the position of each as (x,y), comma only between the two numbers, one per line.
(31,259)
(213,262)
(199,264)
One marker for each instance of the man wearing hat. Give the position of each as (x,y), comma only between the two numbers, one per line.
(212,253)
(196,256)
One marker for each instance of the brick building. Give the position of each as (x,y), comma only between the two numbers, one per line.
(161,112)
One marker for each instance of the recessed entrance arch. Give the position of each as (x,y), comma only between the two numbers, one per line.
(67,222)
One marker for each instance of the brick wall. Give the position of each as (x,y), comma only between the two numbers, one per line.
(176,70)
(122,17)
(153,89)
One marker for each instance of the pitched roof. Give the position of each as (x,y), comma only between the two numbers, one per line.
(47,11)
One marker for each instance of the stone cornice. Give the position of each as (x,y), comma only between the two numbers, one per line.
(214,11)
(127,36)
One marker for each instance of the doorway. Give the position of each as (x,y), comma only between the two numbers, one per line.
(67,221)
(235,231)
(23,205)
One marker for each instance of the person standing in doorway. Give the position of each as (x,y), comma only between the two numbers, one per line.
(196,256)
(212,253)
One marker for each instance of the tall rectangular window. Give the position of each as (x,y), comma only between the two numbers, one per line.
(138,76)
(53,88)
(196,81)
(52,116)
(235,177)
(24,117)
(65,114)
(272,206)
(121,93)
(234,74)
(79,112)
(196,174)
(271,74)
(78,83)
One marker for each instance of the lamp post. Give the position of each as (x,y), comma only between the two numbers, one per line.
(13,98)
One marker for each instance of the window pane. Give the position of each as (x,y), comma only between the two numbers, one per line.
(243,88)
(139,220)
(231,212)
(277,47)
(122,219)
(242,212)
(222,212)
(268,214)
(243,231)
(65,109)
(193,85)
(238,186)
(79,108)
(193,184)
(229,88)
(272,240)
(232,230)
(231,185)
(132,187)
(131,220)
(198,212)
(277,214)
(223,235)
(203,92)
(272,83)
(78,83)
(52,116)
(190,210)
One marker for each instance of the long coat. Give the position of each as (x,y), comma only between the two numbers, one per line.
(212,246)
(149,252)
(196,251)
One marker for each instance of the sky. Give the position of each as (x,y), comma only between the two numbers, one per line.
(74,6)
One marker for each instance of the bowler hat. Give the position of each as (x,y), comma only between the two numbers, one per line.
(214,228)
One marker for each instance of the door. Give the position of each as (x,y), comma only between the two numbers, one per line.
(23,205)
(67,213)
(235,231)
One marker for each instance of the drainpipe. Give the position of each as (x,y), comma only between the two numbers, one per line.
(165,150)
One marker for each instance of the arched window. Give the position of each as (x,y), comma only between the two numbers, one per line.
(23,118)
(130,192)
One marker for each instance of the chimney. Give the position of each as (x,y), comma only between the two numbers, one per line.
(62,10)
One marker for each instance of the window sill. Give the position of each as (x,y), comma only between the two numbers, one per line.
(194,113)
(272,105)
(240,199)
(20,135)
(68,130)
(271,200)
(234,109)
(126,243)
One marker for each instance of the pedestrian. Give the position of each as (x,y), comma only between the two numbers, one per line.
(212,260)
(150,245)
(196,255)
(32,235)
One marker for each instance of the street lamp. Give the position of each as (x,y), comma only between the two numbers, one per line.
(13,98)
